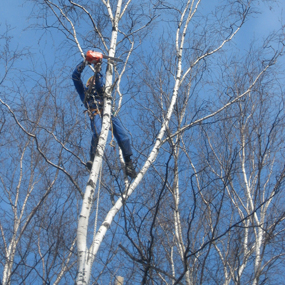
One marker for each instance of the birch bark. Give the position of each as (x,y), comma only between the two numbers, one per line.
(86,255)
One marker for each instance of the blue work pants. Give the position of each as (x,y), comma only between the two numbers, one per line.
(119,133)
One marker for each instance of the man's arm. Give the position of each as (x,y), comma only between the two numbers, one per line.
(99,83)
(76,77)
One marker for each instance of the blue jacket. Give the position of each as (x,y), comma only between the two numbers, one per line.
(94,98)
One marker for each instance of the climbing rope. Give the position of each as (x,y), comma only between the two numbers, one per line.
(98,196)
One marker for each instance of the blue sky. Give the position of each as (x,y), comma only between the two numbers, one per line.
(16,14)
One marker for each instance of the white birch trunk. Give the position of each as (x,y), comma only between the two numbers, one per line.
(177,220)
(10,251)
(257,262)
(10,254)
(85,255)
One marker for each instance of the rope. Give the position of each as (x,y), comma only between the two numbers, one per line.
(97,209)
(98,196)
(112,142)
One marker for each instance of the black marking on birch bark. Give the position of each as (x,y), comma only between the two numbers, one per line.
(107,115)
(107,225)
(108,97)
(91,183)
(91,195)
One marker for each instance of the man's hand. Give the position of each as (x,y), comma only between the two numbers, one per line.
(97,67)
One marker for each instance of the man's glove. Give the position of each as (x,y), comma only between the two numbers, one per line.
(98,67)
(94,57)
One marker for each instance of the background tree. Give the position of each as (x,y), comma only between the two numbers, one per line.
(200,168)
(38,206)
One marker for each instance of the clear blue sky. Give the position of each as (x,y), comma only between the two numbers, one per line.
(16,14)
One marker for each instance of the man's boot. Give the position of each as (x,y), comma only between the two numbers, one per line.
(130,169)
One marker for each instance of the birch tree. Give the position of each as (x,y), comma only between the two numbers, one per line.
(257,177)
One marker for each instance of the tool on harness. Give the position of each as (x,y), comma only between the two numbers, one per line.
(92,96)
(93,112)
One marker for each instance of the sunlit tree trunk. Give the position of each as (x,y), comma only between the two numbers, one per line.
(86,256)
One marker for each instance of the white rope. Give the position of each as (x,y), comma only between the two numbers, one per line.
(97,210)
(97,206)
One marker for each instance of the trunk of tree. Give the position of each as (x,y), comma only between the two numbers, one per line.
(86,255)
(10,254)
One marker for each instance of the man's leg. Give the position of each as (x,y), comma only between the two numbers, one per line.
(125,145)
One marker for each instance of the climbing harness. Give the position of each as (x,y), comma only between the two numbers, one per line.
(89,95)
(92,112)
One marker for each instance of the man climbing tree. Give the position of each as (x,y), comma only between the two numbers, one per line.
(92,98)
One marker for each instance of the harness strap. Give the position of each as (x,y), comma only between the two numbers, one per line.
(93,112)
